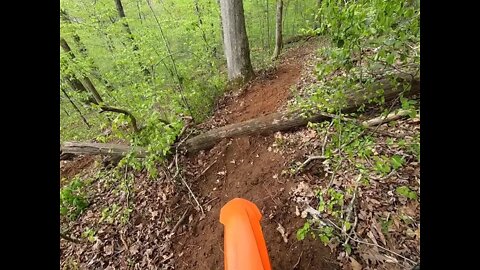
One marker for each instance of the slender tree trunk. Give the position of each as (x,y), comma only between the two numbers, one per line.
(200,26)
(98,99)
(235,41)
(268,26)
(87,83)
(221,24)
(179,78)
(121,14)
(278,30)
(316,23)
(83,50)
(75,107)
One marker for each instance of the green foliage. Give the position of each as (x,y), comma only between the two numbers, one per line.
(302,232)
(382,165)
(89,234)
(406,192)
(369,39)
(73,199)
(325,233)
(397,161)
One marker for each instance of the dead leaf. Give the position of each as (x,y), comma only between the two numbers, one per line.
(281,230)
(379,231)
(355,265)
(133,249)
(108,249)
(370,235)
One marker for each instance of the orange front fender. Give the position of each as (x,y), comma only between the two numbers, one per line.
(244,245)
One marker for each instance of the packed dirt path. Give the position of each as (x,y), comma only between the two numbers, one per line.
(246,167)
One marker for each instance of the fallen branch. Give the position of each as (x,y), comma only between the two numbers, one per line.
(127,113)
(179,222)
(289,120)
(305,163)
(107,149)
(385,119)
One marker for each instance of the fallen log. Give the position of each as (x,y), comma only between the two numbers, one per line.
(280,121)
(106,149)
(288,120)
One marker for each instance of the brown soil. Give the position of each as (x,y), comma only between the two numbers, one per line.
(245,167)
(70,168)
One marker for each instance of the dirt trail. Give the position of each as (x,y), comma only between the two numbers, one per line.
(245,167)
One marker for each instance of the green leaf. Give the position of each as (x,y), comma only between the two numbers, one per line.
(406,192)
(325,240)
(390,59)
(397,161)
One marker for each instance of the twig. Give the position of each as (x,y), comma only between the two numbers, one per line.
(68,238)
(270,195)
(298,261)
(124,243)
(316,215)
(177,173)
(206,169)
(193,195)
(309,159)
(326,138)
(209,201)
(167,258)
(176,147)
(127,113)
(174,229)
(350,206)
(386,249)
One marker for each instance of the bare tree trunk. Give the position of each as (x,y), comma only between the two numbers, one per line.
(83,50)
(76,108)
(235,41)
(87,83)
(315,21)
(200,26)
(268,26)
(278,31)
(121,14)
(98,99)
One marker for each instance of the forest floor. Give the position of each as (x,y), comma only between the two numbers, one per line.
(153,234)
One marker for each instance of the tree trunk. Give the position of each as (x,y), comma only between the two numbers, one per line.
(268,25)
(235,41)
(83,50)
(316,23)
(278,30)
(280,121)
(121,14)
(87,83)
(75,107)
